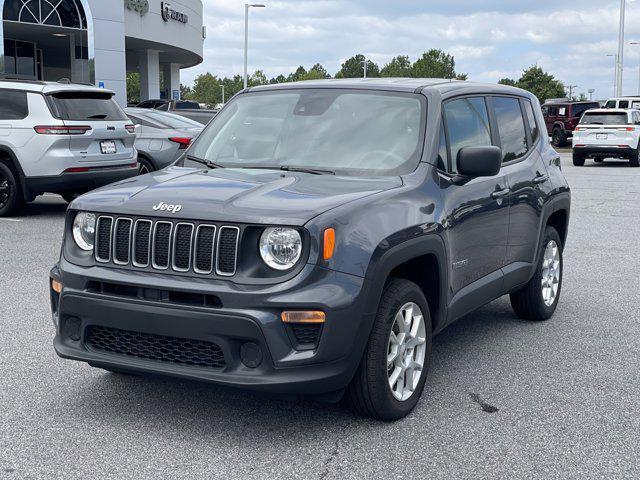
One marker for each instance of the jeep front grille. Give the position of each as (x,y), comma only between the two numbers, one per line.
(162,245)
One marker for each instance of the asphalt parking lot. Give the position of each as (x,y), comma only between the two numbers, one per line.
(504,399)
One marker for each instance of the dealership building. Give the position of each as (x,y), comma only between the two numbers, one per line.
(99,41)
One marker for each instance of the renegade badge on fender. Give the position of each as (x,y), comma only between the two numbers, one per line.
(316,236)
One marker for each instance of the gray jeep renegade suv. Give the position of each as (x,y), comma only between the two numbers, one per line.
(316,236)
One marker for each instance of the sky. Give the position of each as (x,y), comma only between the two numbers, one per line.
(490,39)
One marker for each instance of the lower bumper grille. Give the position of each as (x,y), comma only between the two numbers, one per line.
(181,351)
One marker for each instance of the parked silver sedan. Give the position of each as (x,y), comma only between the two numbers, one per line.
(162,137)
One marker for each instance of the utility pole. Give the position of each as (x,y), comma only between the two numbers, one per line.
(571,87)
(620,57)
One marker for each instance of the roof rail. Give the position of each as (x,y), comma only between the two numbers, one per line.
(557,100)
(8,78)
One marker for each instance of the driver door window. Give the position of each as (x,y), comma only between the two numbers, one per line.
(467,123)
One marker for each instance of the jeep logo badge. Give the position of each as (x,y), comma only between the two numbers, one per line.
(163,207)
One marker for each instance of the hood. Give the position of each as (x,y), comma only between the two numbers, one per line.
(232,195)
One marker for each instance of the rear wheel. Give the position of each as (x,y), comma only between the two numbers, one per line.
(578,159)
(392,373)
(558,137)
(634,159)
(538,299)
(144,166)
(70,197)
(11,200)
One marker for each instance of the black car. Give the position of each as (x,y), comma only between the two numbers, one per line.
(316,236)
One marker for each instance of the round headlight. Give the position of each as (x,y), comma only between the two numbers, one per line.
(280,247)
(84,230)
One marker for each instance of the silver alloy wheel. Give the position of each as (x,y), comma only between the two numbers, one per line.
(551,273)
(143,169)
(5,191)
(406,351)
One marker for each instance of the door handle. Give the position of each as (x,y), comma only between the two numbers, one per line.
(540,179)
(500,193)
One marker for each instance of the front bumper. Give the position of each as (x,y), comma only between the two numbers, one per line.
(244,315)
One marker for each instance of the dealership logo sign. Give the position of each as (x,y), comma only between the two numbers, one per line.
(140,6)
(169,13)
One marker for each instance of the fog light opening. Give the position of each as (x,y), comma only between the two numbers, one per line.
(251,354)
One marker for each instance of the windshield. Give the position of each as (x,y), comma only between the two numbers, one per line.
(173,121)
(349,132)
(86,106)
(604,119)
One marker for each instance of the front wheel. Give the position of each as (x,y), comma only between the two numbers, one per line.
(144,166)
(392,373)
(538,299)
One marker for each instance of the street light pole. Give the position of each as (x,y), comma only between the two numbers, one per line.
(620,57)
(247,6)
(615,82)
(222,94)
(365,62)
(637,43)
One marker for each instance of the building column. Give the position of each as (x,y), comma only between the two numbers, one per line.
(149,65)
(171,73)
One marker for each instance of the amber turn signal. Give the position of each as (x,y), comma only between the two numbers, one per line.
(303,317)
(329,243)
(56,286)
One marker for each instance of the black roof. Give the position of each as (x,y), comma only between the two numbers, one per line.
(394,84)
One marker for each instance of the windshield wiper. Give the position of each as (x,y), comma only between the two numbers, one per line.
(289,168)
(314,171)
(205,162)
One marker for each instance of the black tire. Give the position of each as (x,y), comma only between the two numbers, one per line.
(528,302)
(634,159)
(578,159)
(145,166)
(11,199)
(598,159)
(369,393)
(558,137)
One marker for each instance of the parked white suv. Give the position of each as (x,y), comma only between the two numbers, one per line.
(60,138)
(607,133)
(623,103)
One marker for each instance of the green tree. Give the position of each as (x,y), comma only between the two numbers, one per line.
(186,92)
(436,63)
(258,78)
(354,68)
(279,79)
(399,66)
(542,84)
(206,89)
(317,72)
(297,75)
(508,81)
(133,87)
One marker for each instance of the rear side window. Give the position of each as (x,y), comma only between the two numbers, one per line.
(597,118)
(187,106)
(467,122)
(86,106)
(533,125)
(623,104)
(579,109)
(13,105)
(513,137)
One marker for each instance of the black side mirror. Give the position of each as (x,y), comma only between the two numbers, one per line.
(479,161)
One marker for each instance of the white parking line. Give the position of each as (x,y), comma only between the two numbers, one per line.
(16,220)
